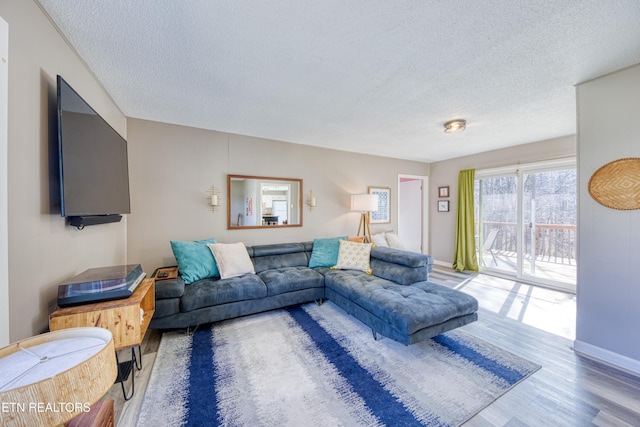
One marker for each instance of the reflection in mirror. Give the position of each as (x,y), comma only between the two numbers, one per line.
(259,201)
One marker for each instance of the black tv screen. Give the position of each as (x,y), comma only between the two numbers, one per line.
(94,173)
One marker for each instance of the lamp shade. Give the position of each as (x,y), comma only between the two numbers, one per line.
(50,378)
(364,202)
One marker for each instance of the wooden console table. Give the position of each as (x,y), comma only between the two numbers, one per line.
(123,317)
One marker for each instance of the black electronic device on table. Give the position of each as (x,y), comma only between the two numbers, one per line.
(101,284)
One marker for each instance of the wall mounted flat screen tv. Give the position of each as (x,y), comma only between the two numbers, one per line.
(94,173)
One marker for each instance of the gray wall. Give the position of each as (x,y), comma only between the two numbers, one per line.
(4,226)
(608,297)
(173,168)
(442,225)
(43,251)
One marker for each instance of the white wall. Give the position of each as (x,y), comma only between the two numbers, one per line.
(43,251)
(442,225)
(172,168)
(4,237)
(608,295)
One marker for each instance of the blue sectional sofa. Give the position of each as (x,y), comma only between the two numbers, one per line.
(396,300)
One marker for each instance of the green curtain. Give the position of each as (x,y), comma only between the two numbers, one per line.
(465,257)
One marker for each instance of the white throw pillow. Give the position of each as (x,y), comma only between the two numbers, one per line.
(379,240)
(354,256)
(232,259)
(394,241)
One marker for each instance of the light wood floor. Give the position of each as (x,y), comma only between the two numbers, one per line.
(535,323)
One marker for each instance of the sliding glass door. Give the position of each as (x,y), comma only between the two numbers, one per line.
(496,207)
(526,220)
(550,225)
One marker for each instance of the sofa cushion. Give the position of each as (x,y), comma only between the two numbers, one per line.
(348,282)
(172,288)
(379,240)
(406,308)
(325,252)
(195,260)
(210,292)
(394,241)
(232,259)
(289,279)
(354,256)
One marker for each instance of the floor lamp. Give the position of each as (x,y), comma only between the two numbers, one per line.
(364,203)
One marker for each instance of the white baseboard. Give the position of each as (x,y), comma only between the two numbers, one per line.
(607,357)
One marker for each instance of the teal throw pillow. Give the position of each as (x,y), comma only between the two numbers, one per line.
(195,260)
(325,252)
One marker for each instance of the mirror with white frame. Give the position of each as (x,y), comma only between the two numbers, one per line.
(263,202)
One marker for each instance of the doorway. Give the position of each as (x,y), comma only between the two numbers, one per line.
(412,217)
(526,222)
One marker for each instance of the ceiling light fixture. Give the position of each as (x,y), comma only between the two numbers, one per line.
(455,126)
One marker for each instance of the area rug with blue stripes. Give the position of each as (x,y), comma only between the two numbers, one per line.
(318,366)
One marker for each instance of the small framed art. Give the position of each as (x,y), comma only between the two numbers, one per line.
(383,214)
(443,191)
(443,206)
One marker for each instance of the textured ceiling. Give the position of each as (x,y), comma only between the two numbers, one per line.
(379,77)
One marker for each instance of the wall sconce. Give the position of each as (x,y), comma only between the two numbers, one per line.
(214,198)
(311,201)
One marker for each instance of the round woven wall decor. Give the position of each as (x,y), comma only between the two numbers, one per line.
(616,185)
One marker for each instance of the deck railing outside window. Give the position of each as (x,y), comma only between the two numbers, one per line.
(553,242)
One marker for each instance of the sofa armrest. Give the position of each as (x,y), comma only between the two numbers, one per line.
(172,288)
(400,257)
(402,267)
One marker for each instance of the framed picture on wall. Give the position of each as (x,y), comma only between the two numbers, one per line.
(383,214)
(443,206)
(443,191)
